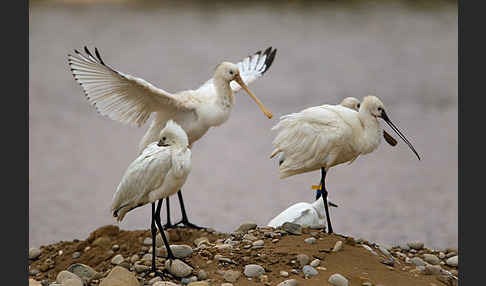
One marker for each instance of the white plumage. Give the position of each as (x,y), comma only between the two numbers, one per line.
(159,172)
(129,99)
(324,136)
(301,213)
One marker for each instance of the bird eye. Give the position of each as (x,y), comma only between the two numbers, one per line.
(163,138)
(358,105)
(231,72)
(380,109)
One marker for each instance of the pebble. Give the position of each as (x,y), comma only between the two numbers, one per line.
(120,276)
(253,270)
(450,254)
(453,261)
(84,272)
(147,241)
(104,242)
(198,283)
(155,279)
(370,249)
(290,282)
(258,243)
(189,280)
(367,283)
(275,240)
(432,259)
(405,247)
(226,284)
(417,261)
(284,273)
(442,255)
(338,246)
(200,241)
(139,268)
(338,280)
(292,228)
(164,283)
(66,275)
(76,254)
(147,256)
(385,251)
(72,282)
(117,259)
(178,268)
(134,258)
(34,253)
(350,241)
(432,269)
(310,240)
(246,227)
(315,263)
(309,271)
(231,276)
(179,251)
(303,259)
(416,245)
(202,275)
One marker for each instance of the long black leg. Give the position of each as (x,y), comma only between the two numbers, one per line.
(169,223)
(324,199)
(154,232)
(185,220)
(170,255)
(319,194)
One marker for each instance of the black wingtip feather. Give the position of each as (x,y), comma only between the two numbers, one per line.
(269,59)
(87,51)
(99,57)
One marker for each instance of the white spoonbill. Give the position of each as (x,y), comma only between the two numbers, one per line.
(324,136)
(302,213)
(159,172)
(129,99)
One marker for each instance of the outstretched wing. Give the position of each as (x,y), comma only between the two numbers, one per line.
(251,68)
(122,97)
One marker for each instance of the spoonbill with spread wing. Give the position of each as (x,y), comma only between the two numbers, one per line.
(129,99)
(324,136)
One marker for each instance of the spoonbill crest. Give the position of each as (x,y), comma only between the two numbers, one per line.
(131,100)
(159,172)
(324,136)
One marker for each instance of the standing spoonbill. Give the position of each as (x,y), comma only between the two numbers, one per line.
(324,136)
(159,172)
(131,100)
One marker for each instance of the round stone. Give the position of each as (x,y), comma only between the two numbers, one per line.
(284,273)
(231,276)
(315,263)
(253,270)
(117,259)
(290,282)
(432,259)
(310,240)
(303,259)
(338,246)
(338,280)
(432,269)
(309,271)
(178,268)
(453,261)
(34,253)
(416,245)
(202,275)
(417,261)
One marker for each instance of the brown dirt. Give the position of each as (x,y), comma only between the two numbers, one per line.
(354,262)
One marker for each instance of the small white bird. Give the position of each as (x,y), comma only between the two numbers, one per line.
(301,213)
(159,172)
(132,100)
(324,136)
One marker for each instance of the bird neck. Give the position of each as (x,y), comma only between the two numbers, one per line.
(224,93)
(371,132)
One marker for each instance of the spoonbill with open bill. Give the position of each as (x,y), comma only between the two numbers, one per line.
(129,99)
(159,172)
(324,136)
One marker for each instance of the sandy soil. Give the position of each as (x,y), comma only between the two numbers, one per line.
(353,261)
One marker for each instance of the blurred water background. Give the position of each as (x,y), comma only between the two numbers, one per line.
(403,52)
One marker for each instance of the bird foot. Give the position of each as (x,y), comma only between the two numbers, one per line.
(186,223)
(169,225)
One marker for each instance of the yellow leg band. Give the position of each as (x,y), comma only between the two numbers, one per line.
(314,187)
